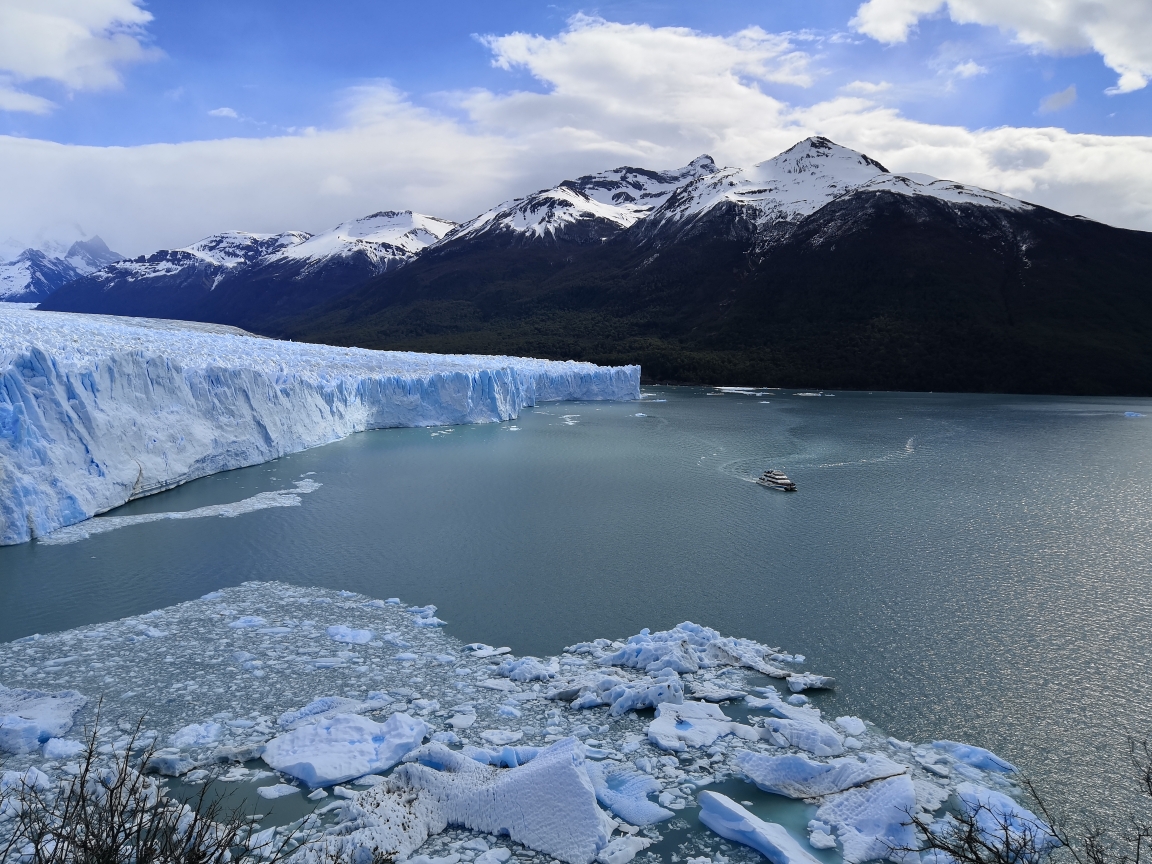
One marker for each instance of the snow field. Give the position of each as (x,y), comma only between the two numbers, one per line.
(275,671)
(98,410)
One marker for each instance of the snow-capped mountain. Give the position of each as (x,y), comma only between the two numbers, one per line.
(33,274)
(589,209)
(216,254)
(818,267)
(781,191)
(239,277)
(386,238)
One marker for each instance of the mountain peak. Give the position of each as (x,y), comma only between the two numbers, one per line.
(386,234)
(820,155)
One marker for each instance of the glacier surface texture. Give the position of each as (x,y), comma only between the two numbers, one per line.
(97,410)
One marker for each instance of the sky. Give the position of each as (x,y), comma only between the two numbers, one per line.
(154,123)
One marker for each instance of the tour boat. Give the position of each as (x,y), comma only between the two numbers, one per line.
(776,480)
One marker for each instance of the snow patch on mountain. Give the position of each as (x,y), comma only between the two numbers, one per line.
(608,201)
(97,410)
(800,181)
(946,190)
(385,239)
(383,236)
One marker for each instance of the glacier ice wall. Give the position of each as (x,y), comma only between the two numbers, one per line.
(97,410)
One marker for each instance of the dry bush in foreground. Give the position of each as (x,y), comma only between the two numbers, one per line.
(112,812)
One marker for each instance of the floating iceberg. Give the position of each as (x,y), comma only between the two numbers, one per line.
(97,410)
(797,776)
(977,757)
(693,724)
(733,822)
(548,805)
(625,792)
(204,702)
(997,815)
(343,747)
(30,718)
(874,823)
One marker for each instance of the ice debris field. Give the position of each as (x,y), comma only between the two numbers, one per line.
(359,726)
(97,410)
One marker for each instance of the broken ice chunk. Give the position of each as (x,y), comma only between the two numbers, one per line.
(817,738)
(642,694)
(343,747)
(479,650)
(246,622)
(28,718)
(797,776)
(873,822)
(425,616)
(61,748)
(341,633)
(527,669)
(625,792)
(277,791)
(497,684)
(977,757)
(733,822)
(501,736)
(999,818)
(712,693)
(693,724)
(506,757)
(799,682)
(547,805)
(195,735)
(622,849)
(821,840)
(851,725)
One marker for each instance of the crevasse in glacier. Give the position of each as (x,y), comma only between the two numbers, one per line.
(97,410)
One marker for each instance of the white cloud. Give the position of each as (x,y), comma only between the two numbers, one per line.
(224,112)
(1120,31)
(12,99)
(968,69)
(615,94)
(866,88)
(81,44)
(1059,100)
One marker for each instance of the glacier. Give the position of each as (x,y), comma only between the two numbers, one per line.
(98,410)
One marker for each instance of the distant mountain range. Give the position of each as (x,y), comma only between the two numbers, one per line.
(817,268)
(35,273)
(251,279)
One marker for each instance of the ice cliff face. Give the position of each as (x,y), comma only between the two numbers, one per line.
(95,411)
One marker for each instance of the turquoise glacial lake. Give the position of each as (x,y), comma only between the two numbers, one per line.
(970,567)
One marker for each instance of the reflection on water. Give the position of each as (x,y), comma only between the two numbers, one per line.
(969,567)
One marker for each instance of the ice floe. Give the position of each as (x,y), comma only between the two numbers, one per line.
(588,755)
(693,724)
(101,410)
(343,747)
(730,820)
(262,501)
(30,718)
(797,776)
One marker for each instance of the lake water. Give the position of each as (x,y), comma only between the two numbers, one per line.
(969,567)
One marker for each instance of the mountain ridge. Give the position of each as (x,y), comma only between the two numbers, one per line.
(816,268)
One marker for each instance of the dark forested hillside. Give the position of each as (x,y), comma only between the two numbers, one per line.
(875,290)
